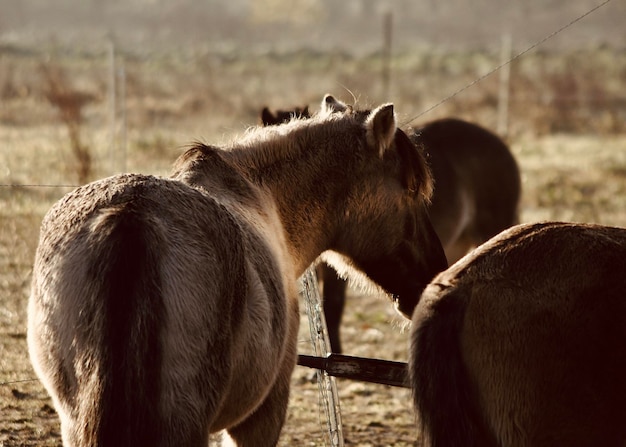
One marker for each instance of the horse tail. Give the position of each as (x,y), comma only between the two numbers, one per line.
(443,395)
(126,405)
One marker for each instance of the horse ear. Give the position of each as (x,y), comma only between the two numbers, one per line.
(381,128)
(267,117)
(330,105)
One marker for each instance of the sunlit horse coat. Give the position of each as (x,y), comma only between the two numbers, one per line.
(166,309)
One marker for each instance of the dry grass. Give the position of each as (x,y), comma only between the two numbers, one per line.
(567,131)
(70,104)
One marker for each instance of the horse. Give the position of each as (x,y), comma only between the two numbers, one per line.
(282,116)
(476,196)
(163,310)
(521,342)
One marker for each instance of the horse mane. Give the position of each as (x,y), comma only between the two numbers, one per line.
(261,147)
(258,147)
(191,167)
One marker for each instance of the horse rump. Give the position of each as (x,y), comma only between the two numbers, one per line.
(442,393)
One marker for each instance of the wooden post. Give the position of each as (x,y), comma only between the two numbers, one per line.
(386,54)
(505,79)
(112,106)
(385,372)
(122,81)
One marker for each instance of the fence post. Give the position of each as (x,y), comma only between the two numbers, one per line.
(122,73)
(505,79)
(112,106)
(386,54)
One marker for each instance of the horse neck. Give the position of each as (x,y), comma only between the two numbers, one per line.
(291,183)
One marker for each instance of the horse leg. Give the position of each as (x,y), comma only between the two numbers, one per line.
(334,300)
(192,406)
(263,426)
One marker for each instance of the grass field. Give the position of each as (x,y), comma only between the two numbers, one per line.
(567,129)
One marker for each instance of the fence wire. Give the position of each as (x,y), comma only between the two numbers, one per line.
(517,56)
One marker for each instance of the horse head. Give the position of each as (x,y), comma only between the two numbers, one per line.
(371,196)
(384,225)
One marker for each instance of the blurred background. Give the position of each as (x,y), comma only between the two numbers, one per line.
(321,25)
(95,87)
(223,59)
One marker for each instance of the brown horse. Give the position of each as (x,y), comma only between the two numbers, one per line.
(165,309)
(476,196)
(522,343)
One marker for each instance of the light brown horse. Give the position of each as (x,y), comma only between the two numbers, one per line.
(476,196)
(522,343)
(165,309)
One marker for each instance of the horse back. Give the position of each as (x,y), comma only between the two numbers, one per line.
(467,159)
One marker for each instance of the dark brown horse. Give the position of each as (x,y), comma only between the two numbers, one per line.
(476,196)
(283,116)
(165,309)
(522,343)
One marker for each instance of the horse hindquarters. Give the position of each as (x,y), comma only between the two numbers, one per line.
(521,344)
(540,384)
(95,312)
(131,319)
(547,357)
(443,396)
